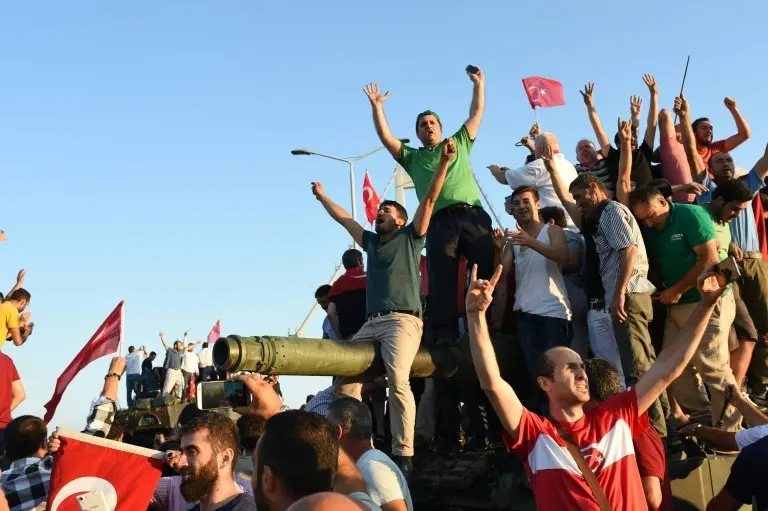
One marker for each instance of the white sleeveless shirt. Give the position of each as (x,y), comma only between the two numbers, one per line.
(540,288)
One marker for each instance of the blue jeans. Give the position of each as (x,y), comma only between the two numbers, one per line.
(536,335)
(130,383)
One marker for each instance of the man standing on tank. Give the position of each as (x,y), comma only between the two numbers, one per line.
(459,225)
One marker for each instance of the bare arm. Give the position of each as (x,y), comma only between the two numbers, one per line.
(477,107)
(427,204)
(675,356)
(751,413)
(698,168)
(18,336)
(714,437)
(501,395)
(761,167)
(19,282)
(499,173)
(117,366)
(395,505)
(377,100)
(560,188)
(624,182)
(594,119)
(742,128)
(723,501)
(652,491)
(338,213)
(707,257)
(162,340)
(333,316)
(653,110)
(18,395)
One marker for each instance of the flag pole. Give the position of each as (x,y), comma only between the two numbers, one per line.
(122,334)
(685,73)
(536,114)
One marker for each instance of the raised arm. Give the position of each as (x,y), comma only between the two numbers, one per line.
(653,110)
(561,189)
(478,103)
(427,204)
(748,410)
(505,402)
(742,128)
(698,168)
(761,167)
(338,213)
(602,138)
(377,100)
(707,257)
(499,173)
(19,282)
(162,340)
(624,182)
(676,355)
(556,251)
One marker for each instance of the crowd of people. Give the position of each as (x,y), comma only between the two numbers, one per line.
(628,307)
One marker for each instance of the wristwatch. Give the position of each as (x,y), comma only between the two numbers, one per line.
(112,374)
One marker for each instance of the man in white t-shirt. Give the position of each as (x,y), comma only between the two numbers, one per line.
(190,365)
(385,482)
(206,363)
(133,370)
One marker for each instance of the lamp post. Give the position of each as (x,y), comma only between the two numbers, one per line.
(349,161)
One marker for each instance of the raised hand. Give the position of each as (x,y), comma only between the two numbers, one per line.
(681,106)
(478,77)
(527,142)
(625,130)
(480,294)
(498,239)
(549,159)
(535,130)
(587,94)
(730,103)
(117,365)
(650,81)
(448,151)
(20,277)
(317,189)
(635,104)
(374,95)
(692,187)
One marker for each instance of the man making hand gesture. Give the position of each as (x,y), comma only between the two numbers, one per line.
(392,297)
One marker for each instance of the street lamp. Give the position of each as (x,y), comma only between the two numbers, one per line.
(349,161)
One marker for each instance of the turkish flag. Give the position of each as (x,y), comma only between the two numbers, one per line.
(105,341)
(543,92)
(125,474)
(215,333)
(370,199)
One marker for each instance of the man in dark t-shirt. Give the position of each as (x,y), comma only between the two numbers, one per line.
(747,482)
(346,307)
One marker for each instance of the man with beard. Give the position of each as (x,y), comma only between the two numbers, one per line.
(209,447)
(393,302)
(605,476)
(703,135)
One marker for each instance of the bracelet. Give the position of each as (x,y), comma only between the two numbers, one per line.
(112,374)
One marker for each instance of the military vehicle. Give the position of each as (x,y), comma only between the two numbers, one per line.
(469,480)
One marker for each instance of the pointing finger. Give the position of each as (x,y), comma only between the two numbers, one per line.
(473,275)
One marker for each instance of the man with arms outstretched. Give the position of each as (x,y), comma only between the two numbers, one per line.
(603,433)
(392,297)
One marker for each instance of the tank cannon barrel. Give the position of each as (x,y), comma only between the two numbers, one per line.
(324,357)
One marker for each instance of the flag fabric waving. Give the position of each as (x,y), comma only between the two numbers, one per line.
(543,92)
(105,341)
(215,333)
(370,199)
(125,474)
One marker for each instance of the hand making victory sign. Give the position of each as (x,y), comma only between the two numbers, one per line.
(480,294)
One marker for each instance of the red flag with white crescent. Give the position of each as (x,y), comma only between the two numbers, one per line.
(124,474)
(370,199)
(105,341)
(543,92)
(215,333)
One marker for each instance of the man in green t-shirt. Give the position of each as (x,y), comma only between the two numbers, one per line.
(393,304)
(681,239)
(459,225)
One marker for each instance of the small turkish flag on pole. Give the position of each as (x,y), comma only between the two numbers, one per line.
(215,332)
(124,474)
(543,92)
(105,341)
(370,199)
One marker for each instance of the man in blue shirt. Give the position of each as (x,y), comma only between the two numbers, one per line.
(744,247)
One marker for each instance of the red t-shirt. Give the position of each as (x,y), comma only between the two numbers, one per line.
(652,462)
(713,148)
(604,436)
(8,375)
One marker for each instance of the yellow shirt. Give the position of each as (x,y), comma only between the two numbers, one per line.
(9,318)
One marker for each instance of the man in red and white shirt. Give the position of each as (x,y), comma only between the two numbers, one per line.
(602,433)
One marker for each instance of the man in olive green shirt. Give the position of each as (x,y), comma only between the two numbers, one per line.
(459,225)
(682,239)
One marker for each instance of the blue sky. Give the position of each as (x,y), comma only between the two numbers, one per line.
(145,145)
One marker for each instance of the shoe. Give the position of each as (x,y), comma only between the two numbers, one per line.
(760,400)
(405,464)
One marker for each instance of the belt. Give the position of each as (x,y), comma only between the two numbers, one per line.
(753,255)
(456,208)
(596,304)
(375,315)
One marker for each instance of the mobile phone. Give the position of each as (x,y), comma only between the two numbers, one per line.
(221,394)
(94,501)
(727,271)
(473,69)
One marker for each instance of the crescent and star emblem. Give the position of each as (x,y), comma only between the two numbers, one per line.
(86,485)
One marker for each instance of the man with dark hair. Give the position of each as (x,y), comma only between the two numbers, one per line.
(210,445)
(174,378)
(385,482)
(133,363)
(393,302)
(577,458)
(682,237)
(26,481)
(604,383)
(346,307)
(297,455)
(148,376)
(702,133)
(14,304)
(321,295)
